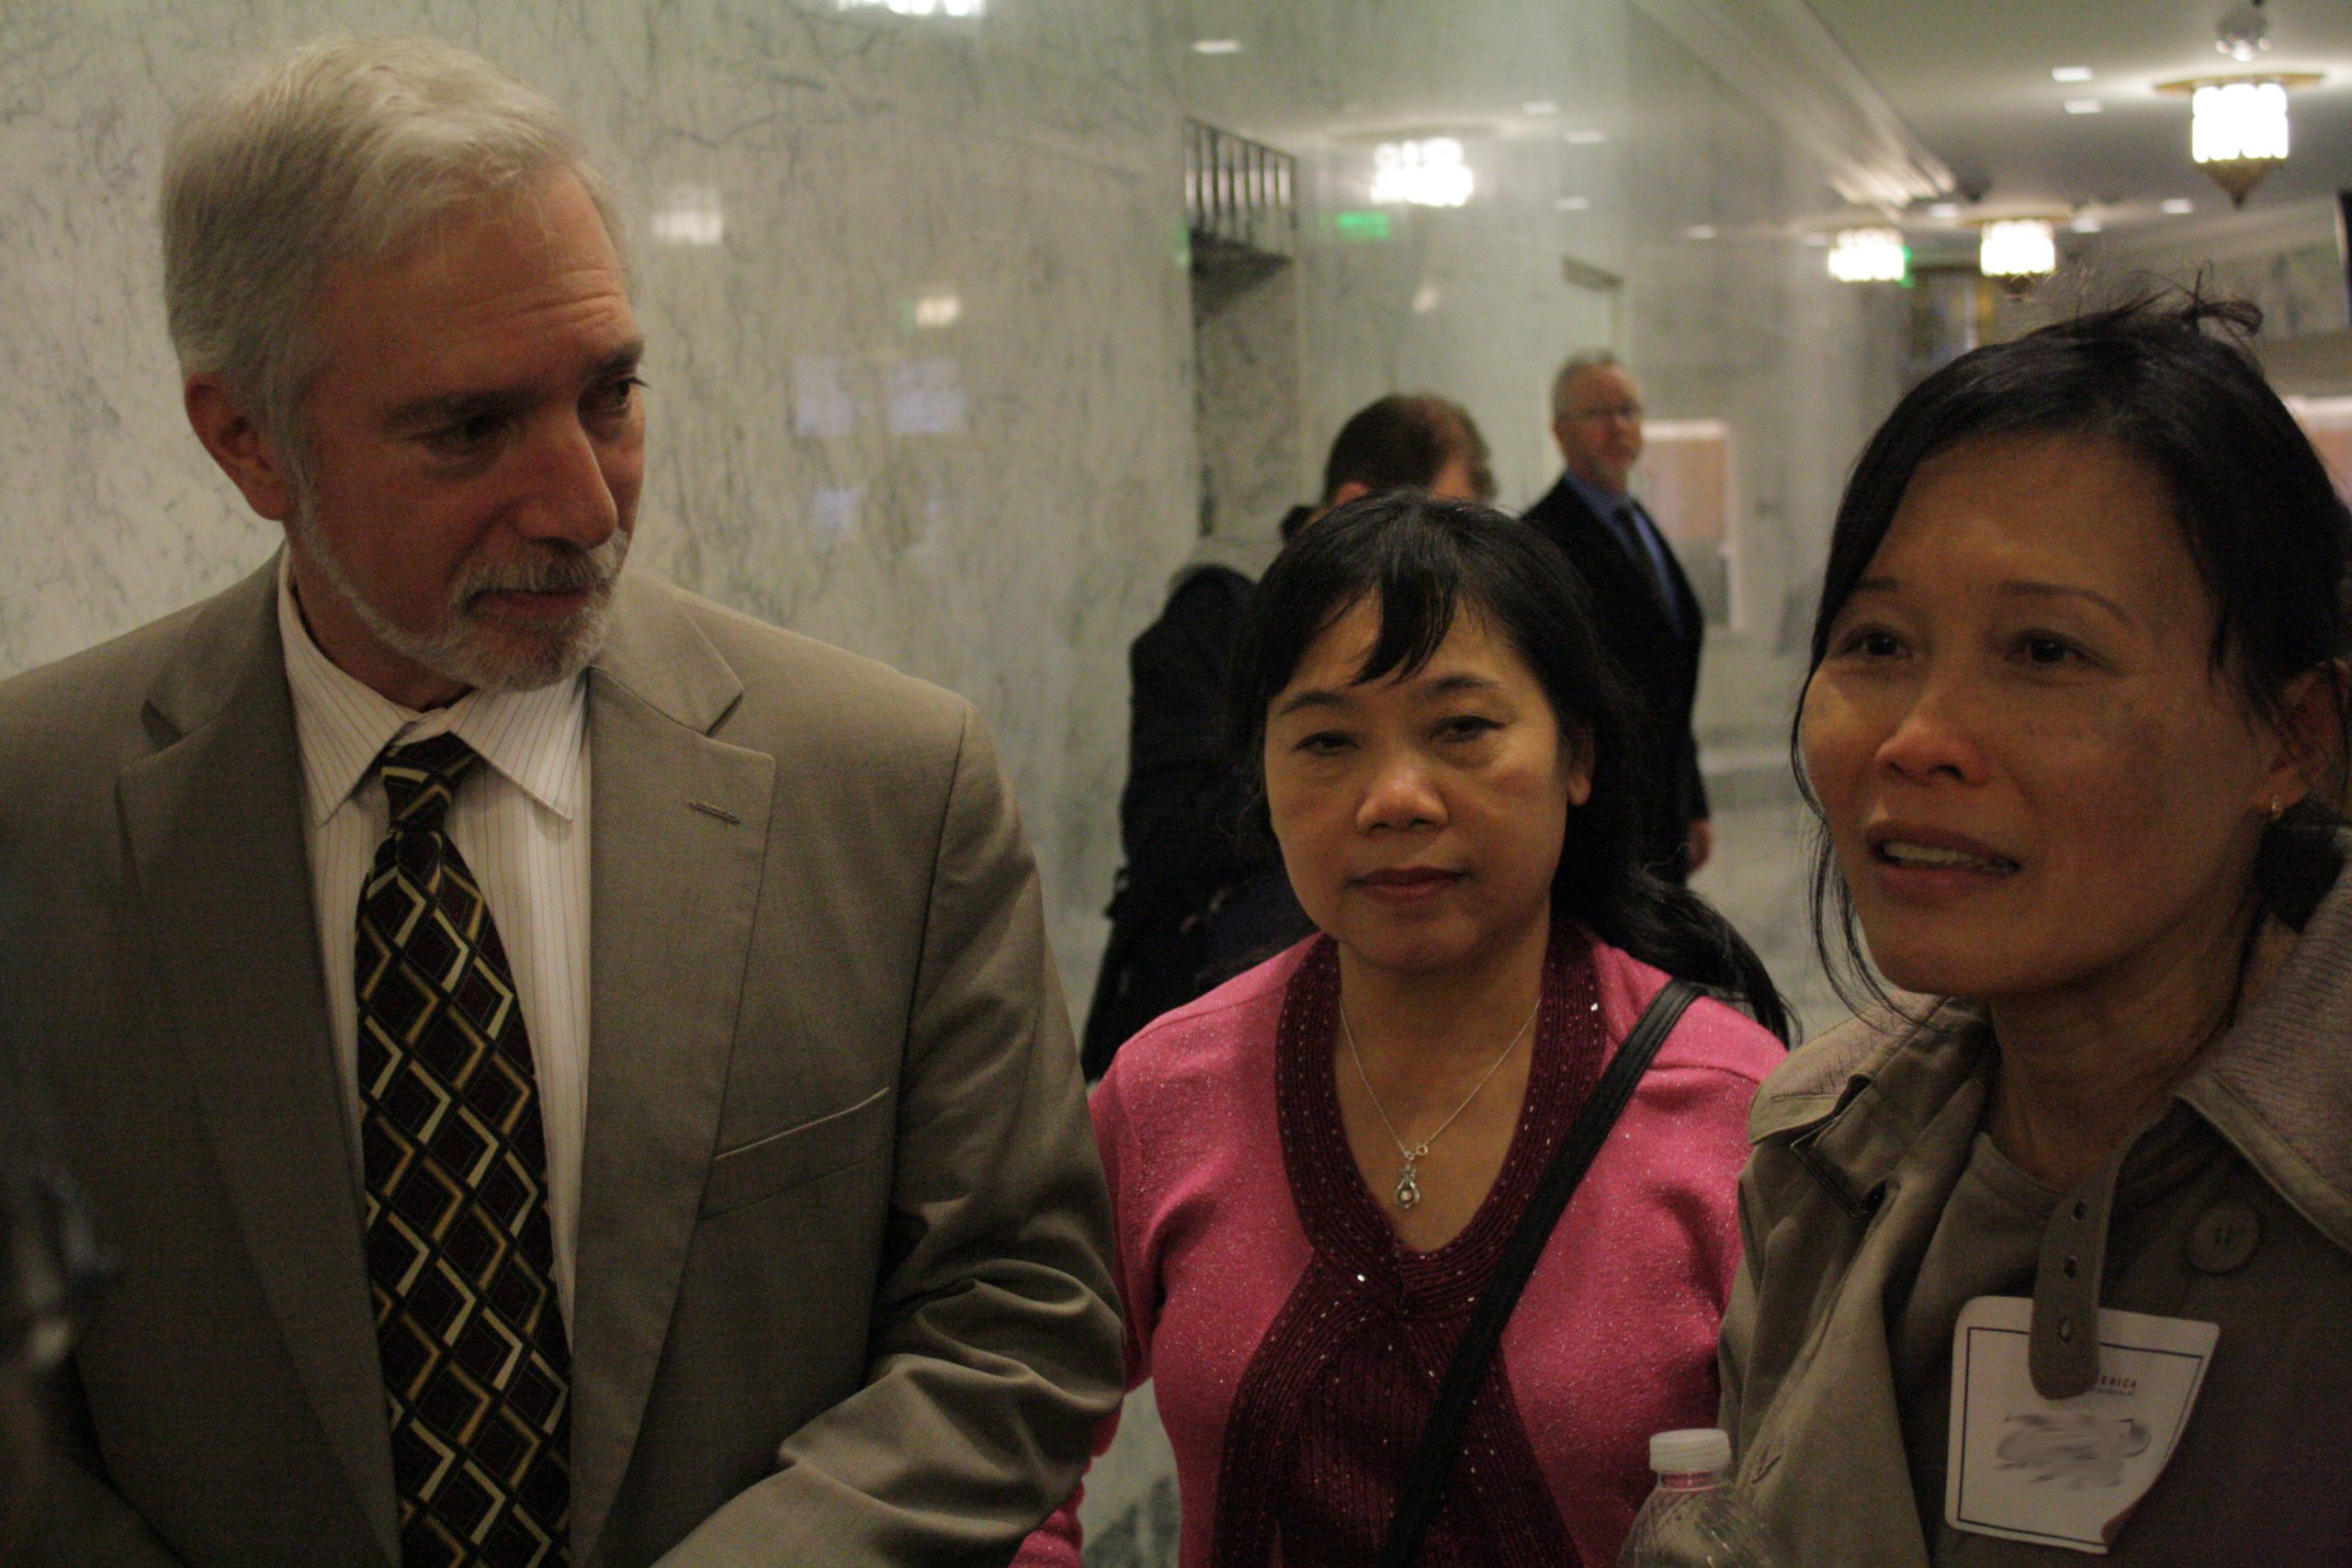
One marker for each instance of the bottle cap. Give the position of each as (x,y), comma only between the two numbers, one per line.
(1696,1449)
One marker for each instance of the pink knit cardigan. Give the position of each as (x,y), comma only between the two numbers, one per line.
(1613,1340)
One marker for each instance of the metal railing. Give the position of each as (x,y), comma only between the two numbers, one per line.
(1239,192)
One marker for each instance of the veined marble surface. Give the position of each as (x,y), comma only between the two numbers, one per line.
(1254,467)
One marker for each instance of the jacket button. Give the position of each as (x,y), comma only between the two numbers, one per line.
(2224,1237)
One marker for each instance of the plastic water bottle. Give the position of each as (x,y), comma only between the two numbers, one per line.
(1695,1519)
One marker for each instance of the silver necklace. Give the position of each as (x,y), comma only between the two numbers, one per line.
(1409,1181)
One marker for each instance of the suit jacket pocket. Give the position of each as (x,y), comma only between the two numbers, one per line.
(765,1166)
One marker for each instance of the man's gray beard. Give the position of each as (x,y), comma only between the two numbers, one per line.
(459,650)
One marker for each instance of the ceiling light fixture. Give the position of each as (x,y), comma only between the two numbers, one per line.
(2085,106)
(1944,210)
(2238,120)
(1587,138)
(1427,173)
(2176,205)
(2070,74)
(1574,203)
(2017,252)
(1539,106)
(1868,255)
(2238,124)
(1216,46)
(2237,130)
(1700,231)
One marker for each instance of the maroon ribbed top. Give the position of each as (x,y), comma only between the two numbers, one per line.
(1334,1400)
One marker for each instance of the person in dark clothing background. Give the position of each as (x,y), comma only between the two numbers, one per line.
(1195,902)
(1650,619)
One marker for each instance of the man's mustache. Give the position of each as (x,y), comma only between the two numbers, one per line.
(564,568)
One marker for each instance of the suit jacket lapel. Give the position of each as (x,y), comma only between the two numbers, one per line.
(1632,574)
(215,831)
(1573,516)
(1631,553)
(678,834)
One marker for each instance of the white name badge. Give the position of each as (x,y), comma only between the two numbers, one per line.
(2067,1474)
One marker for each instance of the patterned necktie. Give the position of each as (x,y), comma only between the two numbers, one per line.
(460,1253)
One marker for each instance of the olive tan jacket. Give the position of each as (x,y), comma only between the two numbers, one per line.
(2235,1209)
(843,1291)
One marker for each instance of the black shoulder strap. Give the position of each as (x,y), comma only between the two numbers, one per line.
(1432,1461)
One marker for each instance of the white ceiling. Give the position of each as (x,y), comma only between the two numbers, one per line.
(1971,79)
(1899,99)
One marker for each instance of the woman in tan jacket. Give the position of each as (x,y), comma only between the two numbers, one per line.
(2054,1254)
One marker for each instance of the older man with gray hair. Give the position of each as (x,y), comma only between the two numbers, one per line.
(571,1075)
(1650,619)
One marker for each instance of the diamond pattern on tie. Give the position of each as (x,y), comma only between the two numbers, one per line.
(459,1254)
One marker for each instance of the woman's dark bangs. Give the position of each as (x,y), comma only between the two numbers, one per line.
(1418,586)
(1306,590)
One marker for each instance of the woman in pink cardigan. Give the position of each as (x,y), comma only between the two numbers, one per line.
(1316,1166)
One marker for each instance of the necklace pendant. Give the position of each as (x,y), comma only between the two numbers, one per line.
(1408,1186)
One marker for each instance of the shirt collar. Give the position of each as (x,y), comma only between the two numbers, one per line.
(535,738)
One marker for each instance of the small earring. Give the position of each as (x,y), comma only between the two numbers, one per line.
(2277,808)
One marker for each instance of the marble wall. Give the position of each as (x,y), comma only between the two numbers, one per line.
(1246,393)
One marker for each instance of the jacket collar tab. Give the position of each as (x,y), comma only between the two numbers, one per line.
(1850,1106)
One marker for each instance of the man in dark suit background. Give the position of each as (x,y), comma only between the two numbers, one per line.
(1651,620)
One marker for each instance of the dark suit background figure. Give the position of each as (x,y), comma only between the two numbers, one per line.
(1655,630)
(1197,893)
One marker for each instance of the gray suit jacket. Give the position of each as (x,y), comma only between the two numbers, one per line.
(842,1296)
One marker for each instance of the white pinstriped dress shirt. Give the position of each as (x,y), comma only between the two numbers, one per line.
(520,819)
